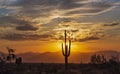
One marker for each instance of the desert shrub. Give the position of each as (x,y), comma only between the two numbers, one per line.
(114,60)
(18,60)
(98,59)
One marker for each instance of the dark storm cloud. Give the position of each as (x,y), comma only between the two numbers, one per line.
(26,28)
(20,37)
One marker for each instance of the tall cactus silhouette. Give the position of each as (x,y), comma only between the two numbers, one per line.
(66,49)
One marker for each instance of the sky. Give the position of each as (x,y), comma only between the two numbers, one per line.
(38,25)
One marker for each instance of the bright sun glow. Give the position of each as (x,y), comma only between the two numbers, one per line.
(57,47)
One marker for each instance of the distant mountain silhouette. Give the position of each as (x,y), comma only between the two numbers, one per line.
(56,57)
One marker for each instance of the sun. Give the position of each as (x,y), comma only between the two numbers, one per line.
(57,46)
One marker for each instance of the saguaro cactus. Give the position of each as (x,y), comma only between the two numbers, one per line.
(66,47)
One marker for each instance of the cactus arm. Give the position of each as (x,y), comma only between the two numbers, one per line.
(63,50)
(69,48)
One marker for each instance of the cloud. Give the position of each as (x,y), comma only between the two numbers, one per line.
(26,15)
(22,37)
(111,24)
(50,12)
(11,20)
(19,23)
(76,30)
(79,39)
(58,8)
(26,28)
(88,39)
(81,31)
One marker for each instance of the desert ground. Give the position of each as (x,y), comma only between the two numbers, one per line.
(52,68)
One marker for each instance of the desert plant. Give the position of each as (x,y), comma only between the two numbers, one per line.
(2,58)
(66,49)
(18,60)
(114,60)
(98,59)
(93,59)
(11,56)
(104,61)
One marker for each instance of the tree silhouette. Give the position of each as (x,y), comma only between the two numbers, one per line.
(98,59)
(11,56)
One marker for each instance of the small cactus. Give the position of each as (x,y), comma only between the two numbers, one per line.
(18,60)
(66,50)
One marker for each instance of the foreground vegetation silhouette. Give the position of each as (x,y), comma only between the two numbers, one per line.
(10,57)
(110,66)
(66,49)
